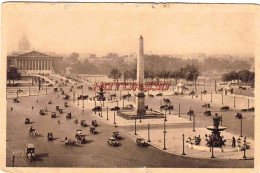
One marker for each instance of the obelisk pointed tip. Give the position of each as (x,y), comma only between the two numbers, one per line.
(141,37)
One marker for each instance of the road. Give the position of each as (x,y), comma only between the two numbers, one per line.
(96,153)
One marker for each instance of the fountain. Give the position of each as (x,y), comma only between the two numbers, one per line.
(215,139)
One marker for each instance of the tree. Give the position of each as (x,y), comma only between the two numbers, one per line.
(126,75)
(115,74)
(13,74)
(133,74)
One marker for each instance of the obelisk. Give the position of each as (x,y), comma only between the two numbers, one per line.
(140,79)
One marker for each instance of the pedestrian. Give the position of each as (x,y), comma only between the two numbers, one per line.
(11,109)
(233,142)
(32,108)
(98,114)
(37,101)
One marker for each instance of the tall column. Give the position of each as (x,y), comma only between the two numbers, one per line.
(25,64)
(17,64)
(21,64)
(44,64)
(140,79)
(29,64)
(51,64)
(38,64)
(35,64)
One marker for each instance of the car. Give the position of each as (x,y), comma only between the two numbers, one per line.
(221,89)
(128,107)
(57,108)
(66,104)
(68,116)
(146,107)
(141,142)
(116,108)
(55,89)
(42,112)
(252,109)
(66,97)
(50,136)
(206,105)
(159,94)
(30,152)
(97,109)
(207,113)
(94,123)
(53,115)
(239,116)
(113,95)
(204,92)
(116,135)
(16,100)
(50,102)
(80,138)
(62,92)
(190,112)
(170,107)
(166,100)
(192,93)
(27,121)
(92,130)
(150,95)
(83,123)
(224,108)
(60,111)
(112,141)
(32,132)
(70,89)
(50,85)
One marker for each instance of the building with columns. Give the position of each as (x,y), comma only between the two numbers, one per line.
(35,62)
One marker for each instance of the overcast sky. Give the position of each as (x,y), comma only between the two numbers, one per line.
(100,29)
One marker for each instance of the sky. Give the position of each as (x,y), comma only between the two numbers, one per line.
(103,28)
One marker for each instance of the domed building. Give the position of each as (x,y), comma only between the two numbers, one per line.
(23,45)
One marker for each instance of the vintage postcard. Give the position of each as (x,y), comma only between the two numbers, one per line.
(129,85)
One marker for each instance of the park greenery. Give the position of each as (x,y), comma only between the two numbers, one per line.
(13,74)
(242,76)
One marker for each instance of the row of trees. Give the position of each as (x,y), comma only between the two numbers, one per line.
(244,76)
(189,73)
(13,74)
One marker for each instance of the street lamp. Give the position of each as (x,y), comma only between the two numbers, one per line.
(107,112)
(190,113)
(140,117)
(211,97)
(222,98)
(248,102)
(164,133)
(221,117)
(241,127)
(73,96)
(149,133)
(193,123)
(13,157)
(244,157)
(114,117)
(183,137)
(123,101)
(165,115)
(201,95)
(78,99)
(101,110)
(212,145)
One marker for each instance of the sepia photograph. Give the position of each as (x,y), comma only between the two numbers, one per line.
(128,85)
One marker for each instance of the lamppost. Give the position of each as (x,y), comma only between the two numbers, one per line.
(221,117)
(165,115)
(211,97)
(241,127)
(140,117)
(29,91)
(135,126)
(248,102)
(234,101)
(183,137)
(164,133)
(82,102)
(120,95)
(244,157)
(103,103)
(149,133)
(107,112)
(190,113)
(222,98)
(95,103)
(78,99)
(73,96)
(201,95)
(46,90)
(13,157)
(212,148)
(114,117)
(193,123)
(117,103)
(123,101)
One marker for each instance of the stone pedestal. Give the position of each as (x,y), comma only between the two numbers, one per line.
(141,104)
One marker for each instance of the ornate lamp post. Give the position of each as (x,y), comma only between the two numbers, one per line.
(201,95)
(234,101)
(73,96)
(211,97)
(248,102)
(190,113)
(78,99)
(193,123)
(149,133)
(179,110)
(212,148)
(165,115)
(241,127)
(183,137)
(135,126)
(222,98)
(164,133)
(244,157)
(114,117)
(101,110)
(123,101)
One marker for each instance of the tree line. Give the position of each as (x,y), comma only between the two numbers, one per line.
(244,76)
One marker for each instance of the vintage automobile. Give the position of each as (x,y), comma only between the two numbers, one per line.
(16,100)
(70,142)
(146,107)
(53,115)
(96,109)
(76,121)
(27,121)
(224,108)
(66,97)
(252,109)
(113,95)
(50,102)
(42,112)
(206,105)
(116,135)
(150,95)
(60,111)
(89,88)
(221,89)
(55,89)
(32,132)
(112,141)
(116,108)
(190,112)
(49,136)
(68,116)
(57,108)
(141,142)
(166,100)
(66,104)
(242,88)
(207,113)
(70,89)
(204,92)
(192,93)
(197,140)
(62,92)
(239,116)
(80,137)
(92,130)
(94,123)
(83,123)
(159,94)
(128,107)
(30,152)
